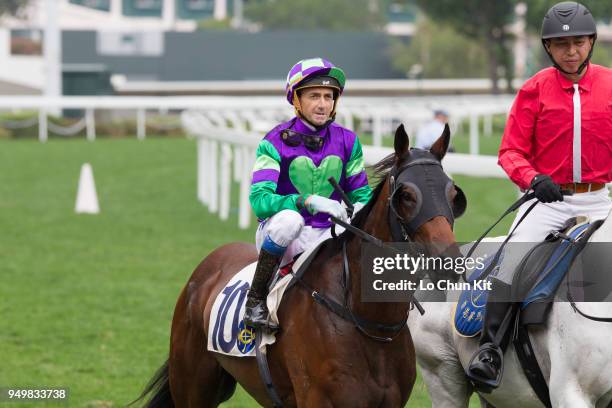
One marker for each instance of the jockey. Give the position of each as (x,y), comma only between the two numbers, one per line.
(290,193)
(558,137)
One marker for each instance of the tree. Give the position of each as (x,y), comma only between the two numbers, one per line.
(483,21)
(11,7)
(434,50)
(332,15)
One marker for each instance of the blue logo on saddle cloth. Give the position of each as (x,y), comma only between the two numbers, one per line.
(470,309)
(471,306)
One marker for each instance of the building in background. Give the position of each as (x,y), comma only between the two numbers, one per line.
(123,29)
(149,46)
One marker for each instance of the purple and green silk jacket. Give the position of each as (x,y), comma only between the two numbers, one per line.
(284,176)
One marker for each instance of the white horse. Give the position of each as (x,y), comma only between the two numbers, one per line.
(574,353)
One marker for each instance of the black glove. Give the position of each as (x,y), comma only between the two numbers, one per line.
(545,189)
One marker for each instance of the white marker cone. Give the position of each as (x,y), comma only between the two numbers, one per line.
(87,199)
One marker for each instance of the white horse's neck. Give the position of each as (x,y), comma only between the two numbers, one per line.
(604,233)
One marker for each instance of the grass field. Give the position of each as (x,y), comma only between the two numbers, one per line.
(86,301)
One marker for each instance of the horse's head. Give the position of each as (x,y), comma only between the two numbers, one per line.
(423,200)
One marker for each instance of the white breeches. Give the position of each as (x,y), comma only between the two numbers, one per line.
(286,229)
(547,217)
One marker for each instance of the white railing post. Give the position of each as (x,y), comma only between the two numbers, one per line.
(202,176)
(141,123)
(244,217)
(90,124)
(213,202)
(42,125)
(225,181)
(474,134)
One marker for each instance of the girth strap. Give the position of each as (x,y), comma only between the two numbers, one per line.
(530,366)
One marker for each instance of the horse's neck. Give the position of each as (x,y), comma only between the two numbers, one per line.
(383,312)
(376,225)
(604,233)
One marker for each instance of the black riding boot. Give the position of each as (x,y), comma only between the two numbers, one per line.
(256,313)
(487,365)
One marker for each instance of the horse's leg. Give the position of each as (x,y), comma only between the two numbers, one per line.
(569,395)
(437,357)
(572,370)
(446,384)
(196,378)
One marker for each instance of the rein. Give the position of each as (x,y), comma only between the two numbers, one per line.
(524,198)
(344,310)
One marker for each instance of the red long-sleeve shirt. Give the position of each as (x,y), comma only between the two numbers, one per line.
(539,137)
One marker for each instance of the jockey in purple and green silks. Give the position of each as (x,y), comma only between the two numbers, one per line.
(290,193)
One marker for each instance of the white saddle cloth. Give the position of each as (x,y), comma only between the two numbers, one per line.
(227,333)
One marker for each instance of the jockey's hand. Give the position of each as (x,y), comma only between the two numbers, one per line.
(316,204)
(545,189)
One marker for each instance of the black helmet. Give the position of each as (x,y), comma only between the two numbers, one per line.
(568,19)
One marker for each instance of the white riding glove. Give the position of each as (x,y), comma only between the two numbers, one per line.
(356,208)
(316,204)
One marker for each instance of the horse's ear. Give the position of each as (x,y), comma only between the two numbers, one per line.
(401,143)
(440,147)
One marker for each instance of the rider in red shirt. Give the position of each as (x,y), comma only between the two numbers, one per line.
(558,137)
(539,137)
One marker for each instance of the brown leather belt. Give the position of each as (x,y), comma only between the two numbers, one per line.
(582,187)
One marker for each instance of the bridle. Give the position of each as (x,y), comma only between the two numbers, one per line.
(430,176)
(396,222)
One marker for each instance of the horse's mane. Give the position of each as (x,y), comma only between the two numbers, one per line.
(380,171)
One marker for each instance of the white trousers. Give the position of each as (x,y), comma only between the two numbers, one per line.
(286,229)
(545,218)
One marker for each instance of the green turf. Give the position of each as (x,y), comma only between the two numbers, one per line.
(86,300)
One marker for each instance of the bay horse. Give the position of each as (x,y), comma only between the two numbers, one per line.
(573,351)
(319,359)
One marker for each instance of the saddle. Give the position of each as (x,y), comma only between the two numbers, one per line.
(227,333)
(536,280)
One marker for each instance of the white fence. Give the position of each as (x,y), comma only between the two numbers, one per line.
(222,151)
(375,115)
(230,128)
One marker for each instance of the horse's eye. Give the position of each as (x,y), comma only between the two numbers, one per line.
(408,195)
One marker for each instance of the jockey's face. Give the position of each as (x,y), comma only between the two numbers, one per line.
(317,104)
(570,52)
